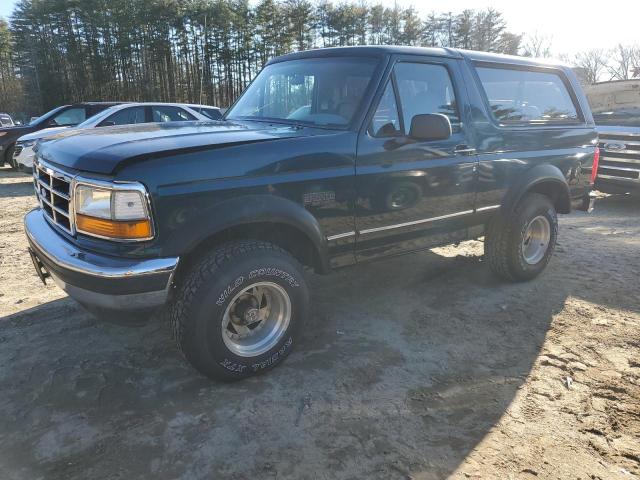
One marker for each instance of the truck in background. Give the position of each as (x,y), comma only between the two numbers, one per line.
(616,111)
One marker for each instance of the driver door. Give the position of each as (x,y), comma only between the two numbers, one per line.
(414,194)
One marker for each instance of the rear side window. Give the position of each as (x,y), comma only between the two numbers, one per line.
(126,116)
(164,113)
(525,96)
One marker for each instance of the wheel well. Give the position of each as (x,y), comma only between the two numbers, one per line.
(287,237)
(557,194)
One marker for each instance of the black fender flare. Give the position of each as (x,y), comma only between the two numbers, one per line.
(536,178)
(252,209)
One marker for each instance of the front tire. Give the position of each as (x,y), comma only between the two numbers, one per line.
(240,309)
(8,157)
(518,247)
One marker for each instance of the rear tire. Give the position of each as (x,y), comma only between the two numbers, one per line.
(240,309)
(518,246)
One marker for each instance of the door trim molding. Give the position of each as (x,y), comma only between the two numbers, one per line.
(341,235)
(490,207)
(415,222)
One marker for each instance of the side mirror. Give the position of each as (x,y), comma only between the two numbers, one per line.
(430,126)
(107,123)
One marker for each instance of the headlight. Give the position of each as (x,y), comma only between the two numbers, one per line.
(26,143)
(118,212)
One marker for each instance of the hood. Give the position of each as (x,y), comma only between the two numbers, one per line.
(102,150)
(47,132)
(14,128)
(612,130)
(15,131)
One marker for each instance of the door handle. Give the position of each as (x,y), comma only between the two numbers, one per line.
(464,150)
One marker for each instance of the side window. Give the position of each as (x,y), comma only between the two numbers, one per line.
(526,96)
(126,116)
(72,116)
(163,113)
(386,121)
(426,88)
(96,109)
(211,113)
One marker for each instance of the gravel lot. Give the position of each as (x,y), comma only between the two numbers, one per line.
(421,367)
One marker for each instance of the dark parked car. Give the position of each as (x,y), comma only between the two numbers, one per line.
(330,158)
(66,115)
(6,120)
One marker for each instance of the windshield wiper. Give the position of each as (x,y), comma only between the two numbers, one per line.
(287,121)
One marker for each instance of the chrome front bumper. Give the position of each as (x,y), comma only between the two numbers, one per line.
(98,281)
(25,157)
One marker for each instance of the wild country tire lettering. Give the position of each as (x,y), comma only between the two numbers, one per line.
(239,368)
(275,272)
(229,289)
(260,272)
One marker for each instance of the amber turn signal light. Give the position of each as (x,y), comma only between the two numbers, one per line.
(123,229)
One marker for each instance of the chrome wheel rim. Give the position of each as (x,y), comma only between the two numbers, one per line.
(256,319)
(536,240)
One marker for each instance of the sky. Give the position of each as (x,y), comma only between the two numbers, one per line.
(571,25)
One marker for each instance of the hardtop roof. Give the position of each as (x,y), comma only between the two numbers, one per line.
(384,50)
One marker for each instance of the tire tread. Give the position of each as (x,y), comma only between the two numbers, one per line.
(500,235)
(207,267)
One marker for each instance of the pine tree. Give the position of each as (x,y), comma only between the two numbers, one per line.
(60,51)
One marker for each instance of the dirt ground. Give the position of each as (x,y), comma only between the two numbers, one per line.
(418,367)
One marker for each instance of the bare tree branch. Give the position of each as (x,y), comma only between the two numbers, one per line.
(622,62)
(536,45)
(592,63)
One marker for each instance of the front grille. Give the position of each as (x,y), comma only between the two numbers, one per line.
(621,162)
(617,172)
(53,190)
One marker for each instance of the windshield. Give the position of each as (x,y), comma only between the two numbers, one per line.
(44,117)
(92,121)
(314,91)
(628,117)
